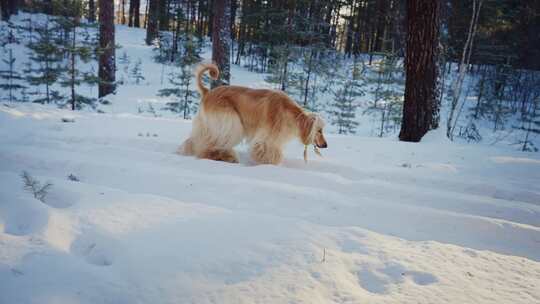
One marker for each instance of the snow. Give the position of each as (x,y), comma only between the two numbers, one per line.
(373,221)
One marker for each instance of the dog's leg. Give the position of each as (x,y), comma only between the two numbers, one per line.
(186,148)
(218,133)
(263,153)
(220,155)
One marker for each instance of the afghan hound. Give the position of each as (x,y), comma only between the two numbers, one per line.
(266,119)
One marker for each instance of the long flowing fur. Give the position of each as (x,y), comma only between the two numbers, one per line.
(201,69)
(266,119)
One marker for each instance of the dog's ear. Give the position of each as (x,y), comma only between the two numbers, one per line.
(306,124)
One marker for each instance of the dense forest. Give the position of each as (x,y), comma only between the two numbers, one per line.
(327,55)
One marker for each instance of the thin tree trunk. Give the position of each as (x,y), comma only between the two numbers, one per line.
(176,32)
(72,68)
(146,13)
(107,58)
(421,69)
(306,87)
(465,59)
(47,91)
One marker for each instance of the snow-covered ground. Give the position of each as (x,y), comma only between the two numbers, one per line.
(374,221)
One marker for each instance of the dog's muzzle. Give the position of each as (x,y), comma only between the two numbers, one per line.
(323,146)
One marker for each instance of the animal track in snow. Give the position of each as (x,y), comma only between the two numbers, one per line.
(378,280)
(95,249)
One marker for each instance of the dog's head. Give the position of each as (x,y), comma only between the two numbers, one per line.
(311,130)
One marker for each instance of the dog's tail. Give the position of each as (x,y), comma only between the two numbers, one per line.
(201,69)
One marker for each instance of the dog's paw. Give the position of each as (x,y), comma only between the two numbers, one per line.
(186,148)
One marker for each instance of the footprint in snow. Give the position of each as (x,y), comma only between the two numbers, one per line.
(378,280)
(23,215)
(94,248)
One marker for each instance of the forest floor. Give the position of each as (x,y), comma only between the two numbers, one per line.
(375,220)
(127,220)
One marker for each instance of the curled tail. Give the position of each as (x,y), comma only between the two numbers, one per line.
(201,69)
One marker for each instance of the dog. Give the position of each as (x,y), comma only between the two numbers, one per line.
(266,119)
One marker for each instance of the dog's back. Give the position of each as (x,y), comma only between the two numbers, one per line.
(257,108)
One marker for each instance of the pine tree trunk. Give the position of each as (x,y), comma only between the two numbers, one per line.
(134,13)
(221,40)
(146,13)
(152,30)
(13,6)
(421,69)
(130,13)
(91,11)
(210,17)
(4,10)
(137,13)
(9,7)
(164,15)
(48,7)
(123,12)
(176,32)
(107,44)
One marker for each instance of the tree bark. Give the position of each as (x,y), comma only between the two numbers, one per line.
(4,9)
(48,7)
(164,15)
(421,69)
(134,13)
(91,11)
(123,12)
(9,7)
(107,44)
(137,13)
(152,30)
(221,40)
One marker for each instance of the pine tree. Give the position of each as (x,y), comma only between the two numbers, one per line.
(499,110)
(11,78)
(78,45)
(278,70)
(124,61)
(387,92)
(136,72)
(531,125)
(181,79)
(47,57)
(343,108)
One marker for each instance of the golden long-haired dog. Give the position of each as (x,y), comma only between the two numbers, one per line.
(266,119)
